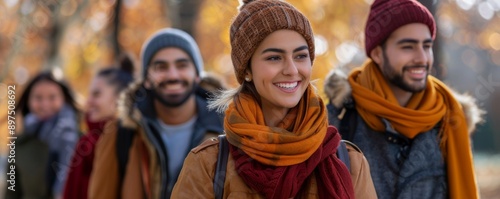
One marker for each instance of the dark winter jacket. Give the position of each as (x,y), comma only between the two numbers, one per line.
(43,154)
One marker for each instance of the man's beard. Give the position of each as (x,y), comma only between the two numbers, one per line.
(172,100)
(398,80)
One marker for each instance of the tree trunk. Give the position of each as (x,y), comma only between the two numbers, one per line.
(56,32)
(116,29)
(184,14)
(54,36)
(439,69)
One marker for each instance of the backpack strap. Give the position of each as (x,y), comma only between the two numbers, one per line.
(343,154)
(220,171)
(347,126)
(124,138)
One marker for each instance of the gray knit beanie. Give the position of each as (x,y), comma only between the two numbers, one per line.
(170,37)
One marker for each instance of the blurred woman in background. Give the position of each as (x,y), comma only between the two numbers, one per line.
(104,92)
(50,132)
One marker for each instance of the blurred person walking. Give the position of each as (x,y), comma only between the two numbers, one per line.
(409,124)
(50,132)
(162,117)
(279,142)
(102,107)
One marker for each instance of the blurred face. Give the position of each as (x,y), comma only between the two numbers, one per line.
(172,77)
(280,71)
(46,99)
(101,103)
(406,58)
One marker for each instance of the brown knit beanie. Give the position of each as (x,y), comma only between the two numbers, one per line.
(256,20)
(388,15)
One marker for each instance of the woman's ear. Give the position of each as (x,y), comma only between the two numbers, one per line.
(248,75)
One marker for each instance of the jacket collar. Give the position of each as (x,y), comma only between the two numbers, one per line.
(210,120)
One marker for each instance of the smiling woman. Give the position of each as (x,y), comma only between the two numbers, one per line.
(49,133)
(101,107)
(280,72)
(275,123)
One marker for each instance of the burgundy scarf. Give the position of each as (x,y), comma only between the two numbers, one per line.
(78,179)
(278,182)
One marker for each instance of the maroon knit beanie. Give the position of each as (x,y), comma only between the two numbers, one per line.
(255,21)
(388,15)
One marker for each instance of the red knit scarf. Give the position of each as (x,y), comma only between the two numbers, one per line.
(271,174)
(332,176)
(78,179)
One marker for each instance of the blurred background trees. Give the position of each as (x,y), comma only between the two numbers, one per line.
(75,38)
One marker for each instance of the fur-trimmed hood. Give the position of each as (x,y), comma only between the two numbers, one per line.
(135,98)
(338,89)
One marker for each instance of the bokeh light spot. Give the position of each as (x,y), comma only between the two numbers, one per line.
(10,3)
(321,45)
(486,10)
(346,51)
(40,19)
(21,75)
(494,41)
(466,4)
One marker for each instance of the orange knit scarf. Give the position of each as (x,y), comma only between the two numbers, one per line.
(375,100)
(296,138)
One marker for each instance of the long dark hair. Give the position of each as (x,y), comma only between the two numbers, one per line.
(69,99)
(120,76)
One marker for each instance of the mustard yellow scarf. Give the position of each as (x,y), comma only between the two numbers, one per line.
(296,138)
(375,100)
